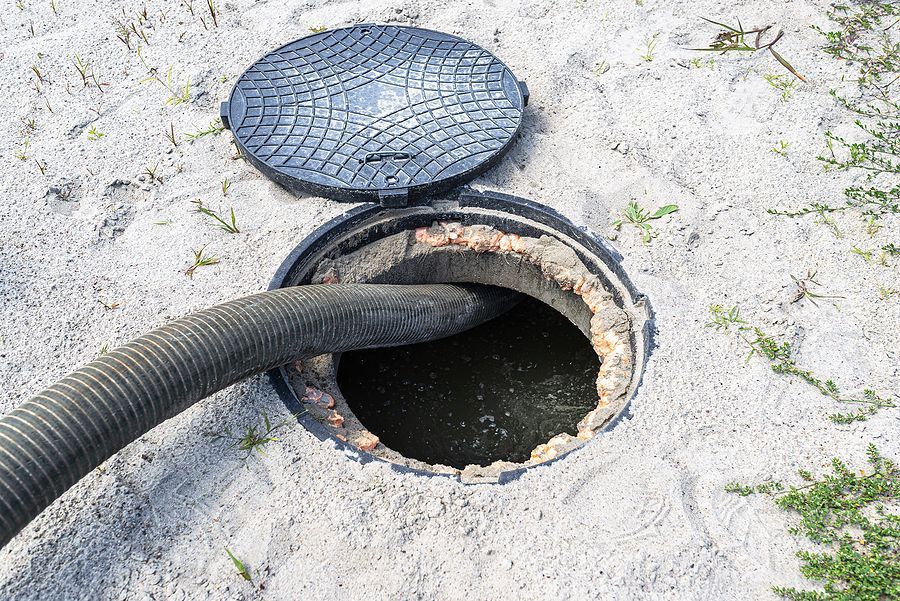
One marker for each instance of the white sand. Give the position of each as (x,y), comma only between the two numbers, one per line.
(639,512)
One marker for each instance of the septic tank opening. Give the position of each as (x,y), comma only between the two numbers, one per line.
(573,296)
(492,393)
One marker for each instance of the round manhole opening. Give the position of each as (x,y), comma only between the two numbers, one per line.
(492,393)
(522,390)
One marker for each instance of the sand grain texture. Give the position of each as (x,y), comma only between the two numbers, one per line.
(636,513)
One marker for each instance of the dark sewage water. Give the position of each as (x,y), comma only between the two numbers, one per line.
(492,393)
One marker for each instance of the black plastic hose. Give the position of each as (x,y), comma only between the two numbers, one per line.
(53,440)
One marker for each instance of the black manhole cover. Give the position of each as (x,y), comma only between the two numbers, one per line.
(375,112)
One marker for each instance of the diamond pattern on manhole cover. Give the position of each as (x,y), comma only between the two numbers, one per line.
(354,112)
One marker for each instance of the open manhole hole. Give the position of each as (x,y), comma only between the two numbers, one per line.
(524,389)
(493,393)
(405,117)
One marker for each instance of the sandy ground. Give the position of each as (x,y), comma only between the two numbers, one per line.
(637,513)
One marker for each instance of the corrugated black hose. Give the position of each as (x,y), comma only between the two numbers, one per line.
(53,440)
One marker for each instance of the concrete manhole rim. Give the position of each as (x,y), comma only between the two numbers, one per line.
(365,224)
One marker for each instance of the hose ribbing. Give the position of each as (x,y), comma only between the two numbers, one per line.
(54,439)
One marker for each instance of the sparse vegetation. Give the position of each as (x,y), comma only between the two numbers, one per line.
(600,68)
(139,27)
(179,93)
(783,83)
(734,39)
(229,226)
(866,38)
(847,513)
(22,153)
(255,437)
(239,566)
(804,291)
(152,173)
(780,358)
(93,134)
(647,52)
(213,13)
(170,136)
(697,63)
(780,148)
(215,127)
(201,259)
(639,218)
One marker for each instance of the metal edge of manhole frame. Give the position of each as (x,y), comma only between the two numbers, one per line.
(396,197)
(325,234)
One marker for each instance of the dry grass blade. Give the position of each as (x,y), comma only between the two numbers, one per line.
(786,64)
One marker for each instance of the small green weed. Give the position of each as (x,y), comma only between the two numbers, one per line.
(215,127)
(22,153)
(745,490)
(229,226)
(780,358)
(87,72)
(734,39)
(213,13)
(170,136)
(780,148)
(831,224)
(153,173)
(865,254)
(126,27)
(39,76)
(179,93)
(239,566)
(94,134)
(639,218)
(83,69)
(803,288)
(696,63)
(255,438)
(783,84)
(647,52)
(201,259)
(600,68)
